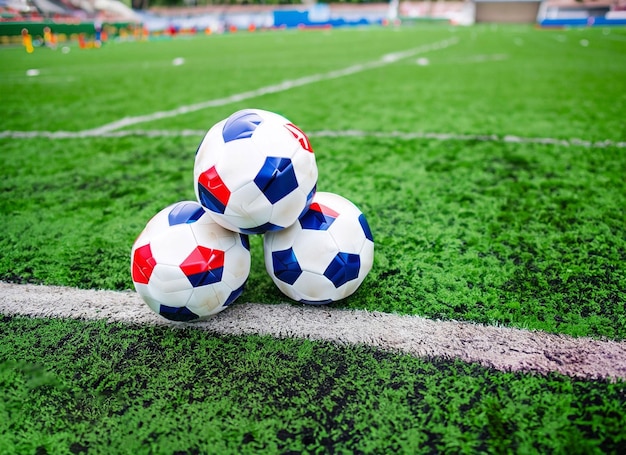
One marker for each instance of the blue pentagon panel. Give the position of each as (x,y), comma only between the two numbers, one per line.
(343,268)
(207,277)
(286,267)
(180,314)
(188,212)
(277,178)
(241,125)
(262,229)
(234,295)
(316,219)
(316,302)
(245,241)
(366,227)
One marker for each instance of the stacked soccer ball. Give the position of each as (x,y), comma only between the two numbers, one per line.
(254,173)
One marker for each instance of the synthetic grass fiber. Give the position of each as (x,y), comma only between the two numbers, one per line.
(179,391)
(467,227)
(479,231)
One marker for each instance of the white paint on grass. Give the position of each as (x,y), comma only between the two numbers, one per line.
(504,349)
(402,135)
(111,129)
(470,137)
(276,88)
(477,58)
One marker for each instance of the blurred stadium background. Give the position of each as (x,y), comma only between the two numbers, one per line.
(143,19)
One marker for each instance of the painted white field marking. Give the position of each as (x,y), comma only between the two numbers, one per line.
(275,88)
(280,87)
(470,137)
(504,349)
(485,58)
(478,58)
(403,135)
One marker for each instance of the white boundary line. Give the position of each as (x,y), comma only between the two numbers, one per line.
(103,130)
(573,142)
(109,130)
(471,137)
(504,349)
(280,87)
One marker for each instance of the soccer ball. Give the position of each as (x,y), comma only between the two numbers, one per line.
(325,256)
(187,267)
(255,172)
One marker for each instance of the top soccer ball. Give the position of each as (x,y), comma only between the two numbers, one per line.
(255,172)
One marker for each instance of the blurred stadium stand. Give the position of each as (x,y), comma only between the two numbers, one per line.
(24,10)
(186,16)
(564,13)
(511,11)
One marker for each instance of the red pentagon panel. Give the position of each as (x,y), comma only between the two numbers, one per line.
(300,136)
(201,260)
(143,264)
(212,181)
(323,209)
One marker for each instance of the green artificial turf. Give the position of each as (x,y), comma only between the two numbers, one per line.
(92,387)
(522,234)
(500,232)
